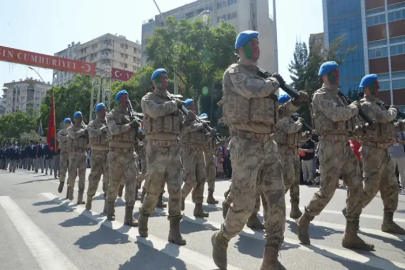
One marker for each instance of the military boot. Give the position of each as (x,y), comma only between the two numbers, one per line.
(80,198)
(70,193)
(199,211)
(254,222)
(303,228)
(211,199)
(174,233)
(88,203)
(183,204)
(143,194)
(295,210)
(129,219)
(352,241)
(60,188)
(219,250)
(160,203)
(270,258)
(225,208)
(110,210)
(143,224)
(105,207)
(389,226)
(120,191)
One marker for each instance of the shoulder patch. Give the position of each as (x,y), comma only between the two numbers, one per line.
(240,77)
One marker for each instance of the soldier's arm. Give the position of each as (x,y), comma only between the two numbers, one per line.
(114,128)
(376,112)
(251,87)
(189,127)
(286,109)
(289,127)
(400,126)
(93,131)
(155,110)
(75,134)
(332,110)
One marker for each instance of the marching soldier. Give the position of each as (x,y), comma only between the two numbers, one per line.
(192,140)
(334,121)
(56,157)
(163,121)
(288,137)
(64,152)
(250,109)
(98,137)
(121,157)
(378,167)
(77,142)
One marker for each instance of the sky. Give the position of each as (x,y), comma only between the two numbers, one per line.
(48,26)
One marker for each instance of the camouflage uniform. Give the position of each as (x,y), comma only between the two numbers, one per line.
(288,138)
(77,144)
(162,120)
(209,154)
(250,108)
(335,123)
(98,133)
(378,167)
(192,140)
(122,164)
(64,156)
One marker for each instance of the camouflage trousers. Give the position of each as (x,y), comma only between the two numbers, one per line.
(77,165)
(291,171)
(195,172)
(379,175)
(229,199)
(164,167)
(142,175)
(56,165)
(337,158)
(256,170)
(211,171)
(122,165)
(64,165)
(99,166)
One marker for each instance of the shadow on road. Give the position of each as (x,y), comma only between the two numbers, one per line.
(80,220)
(34,181)
(192,227)
(315,232)
(101,236)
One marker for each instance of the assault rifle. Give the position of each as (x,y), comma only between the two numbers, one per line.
(295,118)
(362,114)
(133,115)
(288,89)
(399,114)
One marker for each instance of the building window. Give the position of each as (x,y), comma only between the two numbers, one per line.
(398,84)
(375,11)
(376,20)
(398,49)
(396,75)
(232,15)
(377,43)
(135,51)
(189,15)
(396,6)
(397,40)
(126,65)
(231,2)
(377,53)
(396,15)
(210,8)
(221,4)
(220,18)
(122,55)
(384,85)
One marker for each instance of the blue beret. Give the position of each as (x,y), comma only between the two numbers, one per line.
(99,106)
(244,37)
(327,67)
(188,102)
(157,72)
(77,114)
(120,93)
(66,120)
(284,98)
(368,80)
(204,116)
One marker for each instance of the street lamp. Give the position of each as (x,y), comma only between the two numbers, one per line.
(37,73)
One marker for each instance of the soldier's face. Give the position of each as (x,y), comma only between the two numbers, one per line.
(192,106)
(333,77)
(372,90)
(161,82)
(68,124)
(124,100)
(101,112)
(252,50)
(79,119)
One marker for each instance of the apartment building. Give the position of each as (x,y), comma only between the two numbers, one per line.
(377,28)
(108,51)
(245,15)
(23,95)
(318,38)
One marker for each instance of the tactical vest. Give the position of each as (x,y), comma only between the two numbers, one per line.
(238,109)
(324,126)
(99,140)
(162,124)
(193,139)
(129,136)
(77,143)
(292,140)
(63,142)
(382,133)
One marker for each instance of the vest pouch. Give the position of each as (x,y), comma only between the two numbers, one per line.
(176,124)
(262,110)
(235,109)
(157,125)
(168,124)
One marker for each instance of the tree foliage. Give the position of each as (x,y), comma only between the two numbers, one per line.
(26,137)
(68,99)
(298,65)
(13,125)
(193,51)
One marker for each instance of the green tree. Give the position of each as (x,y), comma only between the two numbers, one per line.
(13,125)
(297,66)
(26,137)
(193,51)
(68,99)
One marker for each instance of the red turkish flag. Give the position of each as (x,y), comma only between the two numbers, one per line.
(51,134)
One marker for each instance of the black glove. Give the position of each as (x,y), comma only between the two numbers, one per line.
(190,116)
(134,124)
(205,125)
(213,132)
(279,79)
(179,103)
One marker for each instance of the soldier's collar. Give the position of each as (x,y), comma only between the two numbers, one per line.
(334,89)
(248,66)
(371,98)
(161,93)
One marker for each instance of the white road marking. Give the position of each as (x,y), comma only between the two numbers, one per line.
(189,256)
(42,248)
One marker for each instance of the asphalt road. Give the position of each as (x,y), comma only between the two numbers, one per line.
(39,229)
